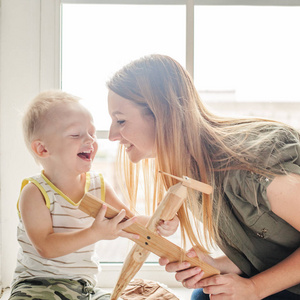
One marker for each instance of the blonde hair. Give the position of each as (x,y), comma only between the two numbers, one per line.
(190,140)
(34,118)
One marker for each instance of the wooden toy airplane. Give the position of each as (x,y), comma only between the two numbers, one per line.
(149,240)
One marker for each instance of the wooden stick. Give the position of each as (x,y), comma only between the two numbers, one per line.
(192,183)
(149,240)
(139,253)
(132,264)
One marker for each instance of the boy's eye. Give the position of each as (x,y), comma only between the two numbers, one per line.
(74,135)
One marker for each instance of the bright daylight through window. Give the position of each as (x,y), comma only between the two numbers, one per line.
(242,54)
(107,37)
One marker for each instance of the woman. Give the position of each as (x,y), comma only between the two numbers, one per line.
(253,165)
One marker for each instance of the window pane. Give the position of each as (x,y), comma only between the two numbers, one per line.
(116,250)
(249,52)
(98,39)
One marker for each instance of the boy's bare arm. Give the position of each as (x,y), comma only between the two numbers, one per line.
(164,228)
(38,224)
(112,199)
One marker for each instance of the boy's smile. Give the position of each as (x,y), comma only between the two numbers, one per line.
(86,155)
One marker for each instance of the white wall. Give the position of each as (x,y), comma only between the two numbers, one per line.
(24,72)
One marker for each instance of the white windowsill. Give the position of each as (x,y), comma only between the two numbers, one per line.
(151,271)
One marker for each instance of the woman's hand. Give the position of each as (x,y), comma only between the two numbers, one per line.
(220,287)
(188,276)
(227,287)
(167,228)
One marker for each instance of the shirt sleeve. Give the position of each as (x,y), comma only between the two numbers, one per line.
(248,187)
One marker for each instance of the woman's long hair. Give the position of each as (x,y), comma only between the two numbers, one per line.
(190,140)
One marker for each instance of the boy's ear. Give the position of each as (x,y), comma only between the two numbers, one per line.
(38,147)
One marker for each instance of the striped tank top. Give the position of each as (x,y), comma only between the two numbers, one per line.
(66,217)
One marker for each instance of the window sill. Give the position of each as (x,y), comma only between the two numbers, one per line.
(151,271)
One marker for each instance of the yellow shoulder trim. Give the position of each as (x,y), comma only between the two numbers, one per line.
(102,187)
(56,189)
(39,186)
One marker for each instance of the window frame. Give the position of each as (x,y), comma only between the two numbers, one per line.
(149,270)
(31,62)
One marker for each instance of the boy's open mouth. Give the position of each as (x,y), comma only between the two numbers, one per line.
(85,155)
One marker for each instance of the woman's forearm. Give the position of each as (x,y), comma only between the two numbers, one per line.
(225,265)
(280,277)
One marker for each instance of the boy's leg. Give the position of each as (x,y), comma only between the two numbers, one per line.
(101,295)
(48,289)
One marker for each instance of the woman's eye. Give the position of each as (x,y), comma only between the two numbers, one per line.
(74,135)
(120,122)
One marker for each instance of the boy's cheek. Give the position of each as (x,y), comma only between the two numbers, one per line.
(95,148)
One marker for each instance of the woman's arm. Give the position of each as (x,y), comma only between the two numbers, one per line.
(284,196)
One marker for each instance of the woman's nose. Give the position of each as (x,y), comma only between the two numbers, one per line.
(114,134)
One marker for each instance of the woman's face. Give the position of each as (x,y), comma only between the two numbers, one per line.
(131,127)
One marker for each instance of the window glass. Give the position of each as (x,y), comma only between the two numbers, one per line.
(245,56)
(247,53)
(116,250)
(99,39)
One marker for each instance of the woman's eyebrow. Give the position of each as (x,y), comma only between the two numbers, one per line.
(117,113)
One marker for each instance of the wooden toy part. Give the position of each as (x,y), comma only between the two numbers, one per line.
(166,210)
(149,240)
(192,183)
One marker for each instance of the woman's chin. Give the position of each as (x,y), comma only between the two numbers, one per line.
(134,158)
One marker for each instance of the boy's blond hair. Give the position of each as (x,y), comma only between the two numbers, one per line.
(34,119)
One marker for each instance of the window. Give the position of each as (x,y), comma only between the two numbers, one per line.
(250,51)
(105,38)
(31,51)
(98,39)
(238,56)
(241,55)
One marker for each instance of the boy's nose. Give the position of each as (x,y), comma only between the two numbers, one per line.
(90,139)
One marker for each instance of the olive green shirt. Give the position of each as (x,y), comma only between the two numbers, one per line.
(257,239)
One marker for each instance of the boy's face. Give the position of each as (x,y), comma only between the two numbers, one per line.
(70,138)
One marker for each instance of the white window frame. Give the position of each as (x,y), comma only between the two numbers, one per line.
(29,63)
(154,271)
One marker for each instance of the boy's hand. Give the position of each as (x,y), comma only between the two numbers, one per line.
(167,228)
(109,229)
